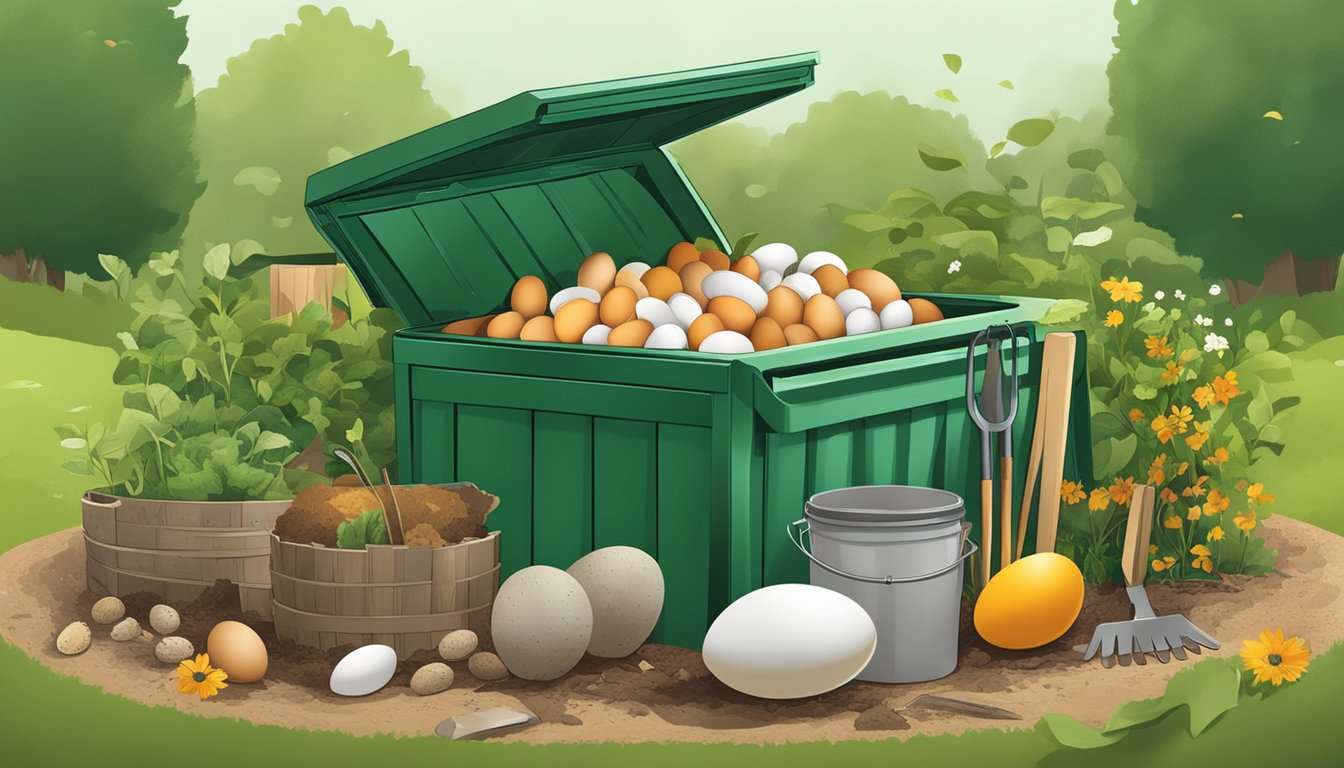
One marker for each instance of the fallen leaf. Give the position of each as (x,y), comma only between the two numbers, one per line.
(953,62)
(946,94)
(645,666)
(1006,84)
(1274,114)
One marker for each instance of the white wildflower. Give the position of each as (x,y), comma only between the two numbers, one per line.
(1228,322)
(1179,294)
(1204,321)
(1215,289)
(1213,342)
(955,266)
(1159,295)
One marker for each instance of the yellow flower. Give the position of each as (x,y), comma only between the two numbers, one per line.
(1202,560)
(1180,469)
(1245,521)
(1180,417)
(1220,456)
(1224,389)
(1122,490)
(1256,493)
(1165,431)
(1114,319)
(1173,522)
(1204,396)
(1135,414)
(1169,496)
(1152,549)
(1163,564)
(1216,534)
(1072,492)
(1099,499)
(1194,513)
(1123,289)
(1157,348)
(1275,660)
(1217,502)
(200,678)
(1197,489)
(1172,373)
(1201,435)
(1156,474)
(1241,485)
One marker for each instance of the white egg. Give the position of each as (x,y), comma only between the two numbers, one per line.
(727,343)
(637,268)
(897,314)
(812,261)
(685,307)
(728,283)
(862,320)
(597,335)
(769,279)
(775,257)
(625,587)
(541,623)
(563,297)
(364,670)
(803,285)
(670,336)
(851,299)
(789,641)
(656,311)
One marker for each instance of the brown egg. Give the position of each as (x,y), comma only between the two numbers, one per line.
(488,319)
(736,314)
(925,311)
(617,306)
(529,297)
(823,315)
(506,326)
(747,266)
(831,279)
(799,334)
(574,319)
(238,650)
(627,279)
(540,328)
(662,282)
(784,306)
(467,327)
(766,334)
(598,272)
(716,260)
(630,334)
(701,328)
(692,275)
(879,288)
(681,254)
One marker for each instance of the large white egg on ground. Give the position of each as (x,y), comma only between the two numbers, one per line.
(364,670)
(541,623)
(789,641)
(625,587)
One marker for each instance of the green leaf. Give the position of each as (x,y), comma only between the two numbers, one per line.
(705,244)
(1144,392)
(1063,311)
(1006,84)
(1110,178)
(1064,208)
(1256,342)
(367,528)
(1031,131)
(217,261)
(355,433)
(114,266)
(1260,410)
(1086,159)
(997,148)
(1113,455)
(743,243)
(162,400)
(261,178)
(1058,239)
(869,222)
(953,62)
(127,340)
(946,94)
(939,163)
(1094,238)
(1017,182)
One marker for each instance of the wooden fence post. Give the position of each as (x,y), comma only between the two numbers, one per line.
(294,285)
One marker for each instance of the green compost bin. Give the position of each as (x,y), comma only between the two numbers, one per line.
(701,460)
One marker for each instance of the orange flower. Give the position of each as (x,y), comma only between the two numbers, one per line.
(1245,520)
(1169,496)
(1172,373)
(1072,492)
(1202,560)
(1164,429)
(1256,493)
(1197,489)
(1220,456)
(1099,500)
(1114,319)
(1163,564)
(1204,396)
(1193,514)
(1122,490)
(1216,503)
(1156,474)
(1123,289)
(1180,417)
(1157,348)
(1216,534)
(1201,435)
(1135,414)
(1224,389)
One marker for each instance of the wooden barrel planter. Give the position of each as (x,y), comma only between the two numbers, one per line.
(406,598)
(176,549)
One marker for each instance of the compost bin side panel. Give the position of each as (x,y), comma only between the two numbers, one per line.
(684,533)
(563,472)
(494,451)
(625,484)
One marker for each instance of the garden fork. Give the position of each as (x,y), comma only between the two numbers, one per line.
(1162,636)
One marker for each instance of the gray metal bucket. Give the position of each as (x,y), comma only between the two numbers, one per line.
(898,551)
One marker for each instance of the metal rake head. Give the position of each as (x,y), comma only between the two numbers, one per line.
(1133,640)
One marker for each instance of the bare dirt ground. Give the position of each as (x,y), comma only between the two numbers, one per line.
(678,700)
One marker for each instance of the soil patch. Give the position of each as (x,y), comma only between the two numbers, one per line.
(677,699)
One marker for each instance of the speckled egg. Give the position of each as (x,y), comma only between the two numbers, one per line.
(625,588)
(126,629)
(541,623)
(487,666)
(164,619)
(458,645)
(432,678)
(172,650)
(74,639)
(108,609)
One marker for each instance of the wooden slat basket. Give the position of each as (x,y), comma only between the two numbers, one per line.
(176,549)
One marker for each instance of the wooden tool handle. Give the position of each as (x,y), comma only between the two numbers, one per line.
(1029,488)
(986,529)
(1056,391)
(1137,532)
(1005,511)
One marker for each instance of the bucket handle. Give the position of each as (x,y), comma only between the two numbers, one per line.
(968,548)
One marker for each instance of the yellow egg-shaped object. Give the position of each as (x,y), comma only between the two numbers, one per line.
(1032,602)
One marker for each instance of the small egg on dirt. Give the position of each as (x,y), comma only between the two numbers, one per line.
(164,619)
(458,645)
(238,650)
(172,650)
(433,678)
(487,666)
(108,610)
(126,629)
(74,639)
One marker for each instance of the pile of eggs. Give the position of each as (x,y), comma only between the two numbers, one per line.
(702,300)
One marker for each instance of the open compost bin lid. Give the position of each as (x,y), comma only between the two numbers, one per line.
(439,225)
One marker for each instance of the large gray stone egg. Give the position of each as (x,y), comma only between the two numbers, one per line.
(625,587)
(541,623)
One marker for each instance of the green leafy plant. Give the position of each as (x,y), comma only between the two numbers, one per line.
(368,528)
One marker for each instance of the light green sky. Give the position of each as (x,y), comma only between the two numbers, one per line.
(477,53)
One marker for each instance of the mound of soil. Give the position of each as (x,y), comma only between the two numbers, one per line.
(431,515)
